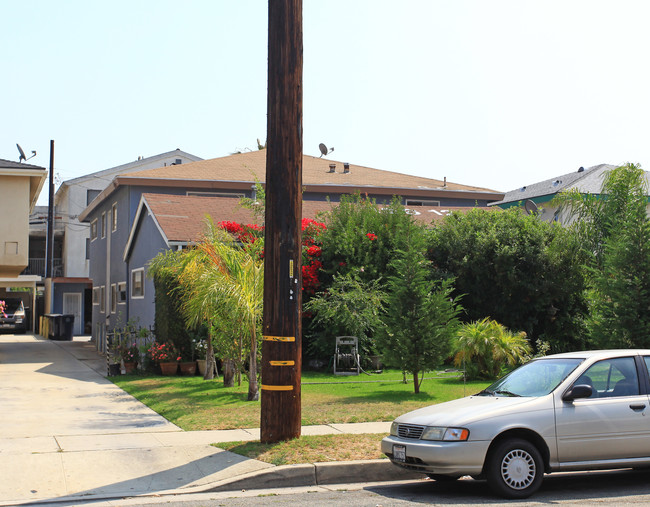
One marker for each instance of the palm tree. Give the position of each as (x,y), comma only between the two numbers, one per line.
(485,346)
(223,283)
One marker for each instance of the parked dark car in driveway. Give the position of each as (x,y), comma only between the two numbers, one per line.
(14,318)
(572,411)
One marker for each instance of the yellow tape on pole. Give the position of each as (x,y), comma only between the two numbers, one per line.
(282,363)
(277,388)
(270,338)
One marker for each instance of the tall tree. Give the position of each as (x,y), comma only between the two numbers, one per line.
(615,229)
(421,315)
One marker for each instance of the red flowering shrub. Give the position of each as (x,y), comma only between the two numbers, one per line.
(371,236)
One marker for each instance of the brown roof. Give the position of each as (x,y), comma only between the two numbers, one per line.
(181,218)
(246,167)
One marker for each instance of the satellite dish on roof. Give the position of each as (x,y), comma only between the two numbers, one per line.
(22,153)
(323,150)
(530,207)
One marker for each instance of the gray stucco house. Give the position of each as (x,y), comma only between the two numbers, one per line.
(142,213)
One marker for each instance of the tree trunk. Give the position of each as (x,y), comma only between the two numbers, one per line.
(416,384)
(228,366)
(210,362)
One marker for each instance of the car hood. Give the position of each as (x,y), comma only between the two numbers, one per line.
(464,411)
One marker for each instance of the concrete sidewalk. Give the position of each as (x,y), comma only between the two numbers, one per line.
(67,434)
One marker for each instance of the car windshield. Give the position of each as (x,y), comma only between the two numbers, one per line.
(537,378)
(12,305)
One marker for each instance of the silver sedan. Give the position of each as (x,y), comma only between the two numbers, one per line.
(573,411)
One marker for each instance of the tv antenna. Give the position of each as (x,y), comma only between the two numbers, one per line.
(530,207)
(22,154)
(323,150)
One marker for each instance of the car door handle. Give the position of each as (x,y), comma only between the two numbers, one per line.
(637,406)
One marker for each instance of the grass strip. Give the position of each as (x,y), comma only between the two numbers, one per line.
(311,449)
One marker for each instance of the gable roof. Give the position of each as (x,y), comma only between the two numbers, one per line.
(130,166)
(180,219)
(586,181)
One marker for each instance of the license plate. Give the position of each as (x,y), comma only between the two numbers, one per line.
(399,453)
(5,325)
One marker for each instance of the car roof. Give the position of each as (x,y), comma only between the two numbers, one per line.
(588,354)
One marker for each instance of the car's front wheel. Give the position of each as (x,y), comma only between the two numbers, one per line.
(514,468)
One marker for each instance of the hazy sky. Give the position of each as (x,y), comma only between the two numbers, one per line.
(497,94)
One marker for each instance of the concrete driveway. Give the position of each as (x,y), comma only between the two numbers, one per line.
(66,432)
(50,388)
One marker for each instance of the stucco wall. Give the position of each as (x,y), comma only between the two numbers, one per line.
(14,227)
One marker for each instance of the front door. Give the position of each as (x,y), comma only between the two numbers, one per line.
(72,305)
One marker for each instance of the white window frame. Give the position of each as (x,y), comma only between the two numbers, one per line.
(114,217)
(121,293)
(93,230)
(135,295)
(102,299)
(113,298)
(103,225)
(96,295)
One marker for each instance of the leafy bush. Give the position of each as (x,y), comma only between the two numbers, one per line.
(483,348)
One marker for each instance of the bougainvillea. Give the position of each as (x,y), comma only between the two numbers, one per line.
(311,251)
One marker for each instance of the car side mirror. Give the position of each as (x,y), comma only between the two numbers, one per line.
(577,392)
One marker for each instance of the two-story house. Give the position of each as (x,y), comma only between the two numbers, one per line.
(72,287)
(120,290)
(20,186)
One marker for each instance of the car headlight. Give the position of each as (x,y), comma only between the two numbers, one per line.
(393,429)
(446,434)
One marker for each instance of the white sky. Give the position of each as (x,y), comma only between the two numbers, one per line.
(497,94)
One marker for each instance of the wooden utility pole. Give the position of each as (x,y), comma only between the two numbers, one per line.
(282,328)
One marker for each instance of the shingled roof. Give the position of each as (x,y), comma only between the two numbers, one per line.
(249,166)
(181,218)
(586,181)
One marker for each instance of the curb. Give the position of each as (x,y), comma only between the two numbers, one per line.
(316,474)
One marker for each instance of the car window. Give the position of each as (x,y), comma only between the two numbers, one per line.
(612,377)
(537,378)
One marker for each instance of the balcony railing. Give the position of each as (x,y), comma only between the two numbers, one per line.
(37,267)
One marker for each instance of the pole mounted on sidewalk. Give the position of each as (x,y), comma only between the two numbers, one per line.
(282,328)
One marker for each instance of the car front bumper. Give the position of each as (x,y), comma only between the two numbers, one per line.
(444,458)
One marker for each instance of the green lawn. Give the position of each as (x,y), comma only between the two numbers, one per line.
(195,404)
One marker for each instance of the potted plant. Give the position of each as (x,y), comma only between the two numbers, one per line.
(200,350)
(188,363)
(114,359)
(166,356)
(130,356)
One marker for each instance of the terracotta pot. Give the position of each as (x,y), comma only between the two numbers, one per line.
(201,364)
(129,367)
(188,368)
(169,368)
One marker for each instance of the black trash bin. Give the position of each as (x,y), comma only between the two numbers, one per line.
(67,326)
(60,326)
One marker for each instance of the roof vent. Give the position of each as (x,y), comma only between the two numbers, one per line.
(346,167)
(444,182)
(581,169)
(557,182)
(332,168)
(522,189)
